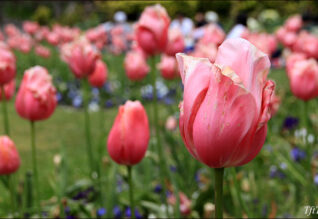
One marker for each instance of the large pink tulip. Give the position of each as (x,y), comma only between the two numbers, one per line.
(152,29)
(7,65)
(9,89)
(294,23)
(99,76)
(225,109)
(36,98)
(168,67)
(175,42)
(9,156)
(81,57)
(129,137)
(135,66)
(303,78)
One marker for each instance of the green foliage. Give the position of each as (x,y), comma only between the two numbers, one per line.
(42,15)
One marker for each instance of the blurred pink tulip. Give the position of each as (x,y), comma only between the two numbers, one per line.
(81,57)
(36,98)
(294,23)
(171,123)
(9,156)
(205,51)
(287,38)
(11,30)
(175,42)
(30,27)
(53,38)
(42,51)
(168,67)
(224,114)
(99,76)
(185,203)
(303,78)
(212,34)
(7,65)
(292,59)
(1,36)
(306,43)
(265,42)
(135,66)
(274,104)
(129,137)
(152,29)
(9,89)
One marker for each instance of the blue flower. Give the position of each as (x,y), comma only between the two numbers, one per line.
(290,123)
(297,154)
(158,188)
(316,179)
(77,101)
(128,212)
(173,169)
(100,212)
(117,212)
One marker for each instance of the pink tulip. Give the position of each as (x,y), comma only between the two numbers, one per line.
(303,78)
(99,76)
(9,89)
(135,66)
(168,67)
(81,57)
(11,30)
(25,43)
(9,156)
(287,38)
(171,123)
(152,29)
(292,59)
(1,36)
(306,43)
(265,42)
(129,137)
(30,27)
(185,203)
(53,38)
(294,23)
(205,51)
(212,34)
(225,109)
(42,33)
(42,51)
(7,65)
(175,42)
(36,98)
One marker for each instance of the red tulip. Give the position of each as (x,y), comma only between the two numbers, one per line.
(9,156)
(81,57)
(168,67)
(99,76)
(7,65)
(135,66)
(36,98)
(129,137)
(42,51)
(175,42)
(225,109)
(9,89)
(303,78)
(152,29)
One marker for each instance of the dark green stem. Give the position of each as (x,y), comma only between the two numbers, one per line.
(87,126)
(12,192)
(131,191)
(218,176)
(35,170)
(5,112)
(162,166)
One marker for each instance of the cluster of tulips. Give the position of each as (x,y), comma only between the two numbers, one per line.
(227,98)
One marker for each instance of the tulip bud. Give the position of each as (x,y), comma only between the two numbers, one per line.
(36,98)
(9,89)
(9,156)
(99,76)
(129,137)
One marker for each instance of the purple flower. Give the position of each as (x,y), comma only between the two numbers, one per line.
(158,188)
(316,179)
(100,212)
(297,154)
(290,123)
(117,212)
